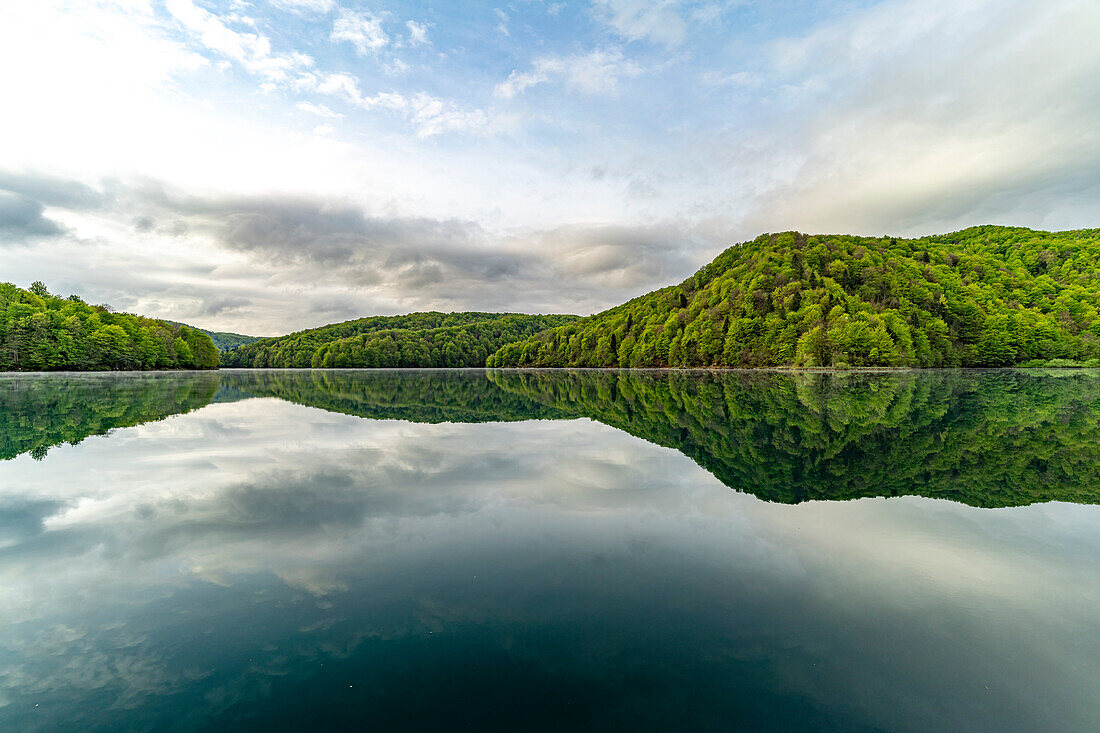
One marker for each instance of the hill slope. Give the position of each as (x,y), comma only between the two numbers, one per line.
(223,340)
(415,340)
(985,296)
(42,332)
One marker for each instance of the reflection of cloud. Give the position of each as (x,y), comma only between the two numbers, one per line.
(331,533)
(24,517)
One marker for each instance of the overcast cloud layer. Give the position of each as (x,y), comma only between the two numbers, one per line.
(279,164)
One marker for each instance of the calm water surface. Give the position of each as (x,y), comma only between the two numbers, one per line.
(544,550)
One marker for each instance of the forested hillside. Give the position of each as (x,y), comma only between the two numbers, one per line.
(415,340)
(986,296)
(223,340)
(42,332)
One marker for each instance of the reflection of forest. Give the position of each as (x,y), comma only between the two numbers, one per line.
(430,396)
(38,411)
(990,438)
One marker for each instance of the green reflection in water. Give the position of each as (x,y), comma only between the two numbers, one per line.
(984,438)
(39,411)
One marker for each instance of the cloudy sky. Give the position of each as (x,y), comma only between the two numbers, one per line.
(271,165)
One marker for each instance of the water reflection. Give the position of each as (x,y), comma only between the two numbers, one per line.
(984,438)
(260,563)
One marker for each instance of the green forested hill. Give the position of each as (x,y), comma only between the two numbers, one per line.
(985,296)
(42,332)
(223,340)
(415,340)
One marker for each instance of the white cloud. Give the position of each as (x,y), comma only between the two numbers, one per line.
(397,67)
(653,20)
(592,73)
(429,115)
(318,109)
(924,115)
(362,30)
(418,33)
(251,50)
(311,6)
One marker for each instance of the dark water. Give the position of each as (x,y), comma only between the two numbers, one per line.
(550,550)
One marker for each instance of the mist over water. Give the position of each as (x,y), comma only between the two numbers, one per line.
(471,549)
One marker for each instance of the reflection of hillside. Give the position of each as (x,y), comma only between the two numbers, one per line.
(1000,438)
(416,396)
(40,411)
(989,439)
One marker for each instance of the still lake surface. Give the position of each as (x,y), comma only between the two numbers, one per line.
(588,550)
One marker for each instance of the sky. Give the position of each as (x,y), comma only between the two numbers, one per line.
(273,165)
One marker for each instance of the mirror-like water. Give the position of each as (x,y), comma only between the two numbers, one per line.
(591,550)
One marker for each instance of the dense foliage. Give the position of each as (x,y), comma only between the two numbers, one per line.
(223,340)
(416,340)
(39,411)
(986,296)
(42,332)
(989,439)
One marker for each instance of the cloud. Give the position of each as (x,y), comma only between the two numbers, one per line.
(251,50)
(502,26)
(392,263)
(411,255)
(623,258)
(219,305)
(51,190)
(597,72)
(932,115)
(362,30)
(318,109)
(311,6)
(653,20)
(429,115)
(418,33)
(21,216)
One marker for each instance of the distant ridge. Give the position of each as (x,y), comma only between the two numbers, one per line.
(983,297)
(223,340)
(430,339)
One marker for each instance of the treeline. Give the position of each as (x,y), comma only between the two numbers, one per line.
(989,439)
(43,332)
(415,340)
(983,297)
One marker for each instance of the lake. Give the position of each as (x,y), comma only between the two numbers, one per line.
(583,550)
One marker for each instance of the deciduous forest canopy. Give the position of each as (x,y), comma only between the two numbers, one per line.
(987,296)
(42,332)
(416,340)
